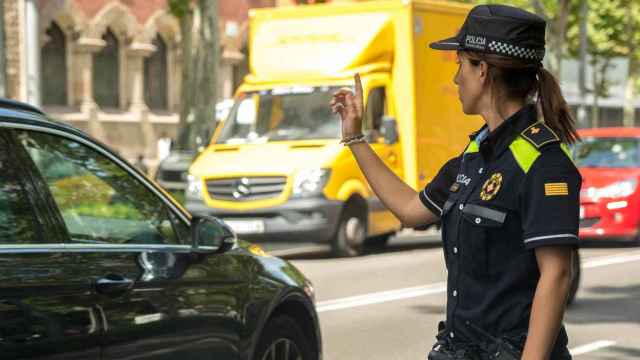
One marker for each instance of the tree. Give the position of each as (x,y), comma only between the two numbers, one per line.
(633,54)
(556,13)
(207,61)
(199,68)
(609,25)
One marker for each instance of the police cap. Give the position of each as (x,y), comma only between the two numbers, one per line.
(502,30)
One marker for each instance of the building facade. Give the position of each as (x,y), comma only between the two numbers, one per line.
(112,67)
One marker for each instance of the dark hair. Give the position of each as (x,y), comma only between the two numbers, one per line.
(511,78)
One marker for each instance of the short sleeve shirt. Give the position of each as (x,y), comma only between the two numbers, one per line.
(511,191)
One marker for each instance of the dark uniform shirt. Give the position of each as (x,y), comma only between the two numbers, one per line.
(513,190)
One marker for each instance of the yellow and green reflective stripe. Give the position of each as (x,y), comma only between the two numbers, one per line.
(567,151)
(472,147)
(524,153)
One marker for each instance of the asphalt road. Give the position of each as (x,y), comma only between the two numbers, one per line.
(386,305)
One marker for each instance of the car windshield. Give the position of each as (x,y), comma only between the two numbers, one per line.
(281,114)
(607,152)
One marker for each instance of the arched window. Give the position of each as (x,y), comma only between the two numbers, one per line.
(54,67)
(155,76)
(106,72)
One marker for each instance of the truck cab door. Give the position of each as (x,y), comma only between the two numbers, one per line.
(377,109)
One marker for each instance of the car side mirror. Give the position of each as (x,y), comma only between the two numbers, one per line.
(389,130)
(209,234)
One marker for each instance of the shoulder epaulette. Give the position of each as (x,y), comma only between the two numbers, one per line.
(539,135)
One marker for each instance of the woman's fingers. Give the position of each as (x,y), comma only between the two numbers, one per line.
(358,84)
(358,102)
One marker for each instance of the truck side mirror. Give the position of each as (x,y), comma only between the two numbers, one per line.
(389,130)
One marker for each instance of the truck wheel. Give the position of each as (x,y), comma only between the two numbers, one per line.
(575,282)
(350,234)
(378,241)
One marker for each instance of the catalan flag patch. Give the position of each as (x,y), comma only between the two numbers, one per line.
(556,189)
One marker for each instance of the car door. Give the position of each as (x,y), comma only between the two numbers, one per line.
(131,251)
(41,316)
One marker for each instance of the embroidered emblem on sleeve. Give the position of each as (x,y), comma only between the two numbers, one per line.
(491,187)
(556,189)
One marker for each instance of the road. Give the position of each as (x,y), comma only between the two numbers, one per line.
(386,305)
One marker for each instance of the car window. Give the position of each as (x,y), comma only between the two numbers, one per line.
(18,223)
(99,201)
(607,152)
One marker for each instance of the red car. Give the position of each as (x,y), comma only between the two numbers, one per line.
(609,161)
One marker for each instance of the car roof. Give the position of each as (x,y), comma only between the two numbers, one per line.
(16,105)
(610,132)
(23,113)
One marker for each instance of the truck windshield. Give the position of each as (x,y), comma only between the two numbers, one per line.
(281,114)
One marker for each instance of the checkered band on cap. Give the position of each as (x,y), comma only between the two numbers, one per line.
(516,51)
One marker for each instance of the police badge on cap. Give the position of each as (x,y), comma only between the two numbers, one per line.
(501,30)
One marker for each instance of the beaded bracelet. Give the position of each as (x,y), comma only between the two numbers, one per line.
(349,138)
(359,139)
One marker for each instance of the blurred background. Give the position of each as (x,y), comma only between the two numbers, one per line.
(127,71)
(153,79)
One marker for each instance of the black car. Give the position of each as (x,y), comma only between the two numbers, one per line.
(98,262)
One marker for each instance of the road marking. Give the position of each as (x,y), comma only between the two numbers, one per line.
(380,297)
(591,347)
(298,250)
(437,288)
(611,260)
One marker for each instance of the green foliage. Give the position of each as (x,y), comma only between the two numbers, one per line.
(179,8)
(607,29)
(107,211)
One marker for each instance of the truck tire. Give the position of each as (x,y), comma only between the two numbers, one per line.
(575,281)
(350,234)
(378,241)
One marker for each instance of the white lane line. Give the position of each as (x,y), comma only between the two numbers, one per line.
(441,287)
(591,347)
(380,297)
(611,260)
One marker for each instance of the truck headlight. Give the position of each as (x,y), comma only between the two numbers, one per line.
(310,182)
(194,187)
(619,189)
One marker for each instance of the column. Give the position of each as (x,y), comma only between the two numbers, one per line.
(32,47)
(136,53)
(84,50)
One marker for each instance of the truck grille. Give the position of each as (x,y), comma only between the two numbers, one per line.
(246,188)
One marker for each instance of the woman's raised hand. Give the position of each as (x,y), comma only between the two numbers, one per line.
(350,107)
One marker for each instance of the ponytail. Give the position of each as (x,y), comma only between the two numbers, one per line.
(554,107)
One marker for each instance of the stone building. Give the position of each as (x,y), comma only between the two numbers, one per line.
(112,67)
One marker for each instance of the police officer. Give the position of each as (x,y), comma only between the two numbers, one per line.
(508,204)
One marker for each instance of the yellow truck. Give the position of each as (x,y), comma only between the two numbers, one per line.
(275,168)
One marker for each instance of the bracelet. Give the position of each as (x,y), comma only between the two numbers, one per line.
(360,139)
(350,138)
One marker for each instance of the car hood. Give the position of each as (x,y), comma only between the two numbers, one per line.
(601,177)
(265,159)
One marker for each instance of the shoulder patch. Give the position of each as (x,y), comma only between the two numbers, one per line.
(539,134)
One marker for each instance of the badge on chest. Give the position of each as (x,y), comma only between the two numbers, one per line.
(491,187)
